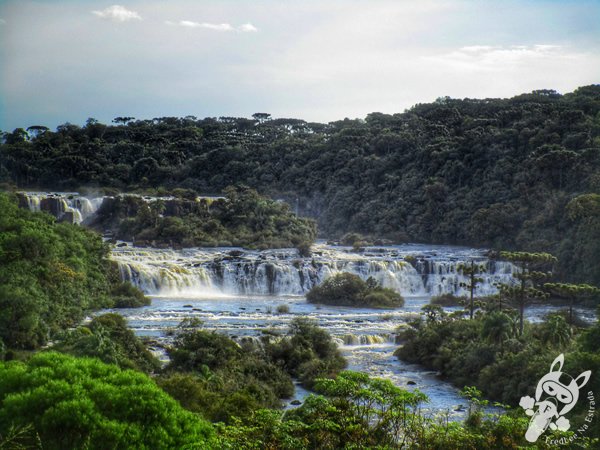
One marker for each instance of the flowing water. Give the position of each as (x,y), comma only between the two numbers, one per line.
(75,208)
(61,204)
(238,292)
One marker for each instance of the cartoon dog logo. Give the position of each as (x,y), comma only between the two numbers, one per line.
(556,394)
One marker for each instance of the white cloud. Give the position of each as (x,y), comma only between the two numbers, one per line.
(248,28)
(2,22)
(208,26)
(502,58)
(118,13)
(477,48)
(245,28)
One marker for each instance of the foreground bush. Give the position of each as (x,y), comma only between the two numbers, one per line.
(108,338)
(74,403)
(222,379)
(487,352)
(355,411)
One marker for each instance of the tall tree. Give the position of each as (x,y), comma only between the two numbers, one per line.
(571,292)
(471,270)
(529,275)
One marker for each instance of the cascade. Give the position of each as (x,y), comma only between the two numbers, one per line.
(366,339)
(75,208)
(201,272)
(66,206)
(412,270)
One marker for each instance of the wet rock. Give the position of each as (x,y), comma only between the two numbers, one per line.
(54,205)
(122,244)
(295,402)
(411,383)
(22,199)
(68,217)
(187,306)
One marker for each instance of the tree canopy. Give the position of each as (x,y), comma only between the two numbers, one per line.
(513,173)
(84,403)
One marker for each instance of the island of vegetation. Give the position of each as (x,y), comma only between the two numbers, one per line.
(347,289)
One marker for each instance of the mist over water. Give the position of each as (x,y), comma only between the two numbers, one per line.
(412,270)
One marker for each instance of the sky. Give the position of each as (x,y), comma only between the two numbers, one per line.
(66,60)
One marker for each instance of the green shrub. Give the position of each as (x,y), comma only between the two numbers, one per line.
(384,299)
(237,378)
(126,295)
(51,274)
(84,403)
(283,309)
(108,338)
(307,352)
(447,300)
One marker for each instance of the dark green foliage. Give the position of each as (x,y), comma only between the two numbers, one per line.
(126,295)
(50,275)
(222,379)
(211,374)
(74,403)
(243,218)
(108,338)
(354,240)
(307,352)
(489,353)
(448,300)
(346,289)
(510,173)
(358,412)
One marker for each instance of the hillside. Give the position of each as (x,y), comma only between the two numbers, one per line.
(512,173)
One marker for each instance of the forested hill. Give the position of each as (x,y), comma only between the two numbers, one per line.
(521,172)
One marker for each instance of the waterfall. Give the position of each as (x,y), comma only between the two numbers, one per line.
(201,272)
(75,208)
(366,339)
(66,206)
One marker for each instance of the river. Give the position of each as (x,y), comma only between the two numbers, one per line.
(238,292)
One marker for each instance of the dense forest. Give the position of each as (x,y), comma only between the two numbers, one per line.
(520,173)
(512,173)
